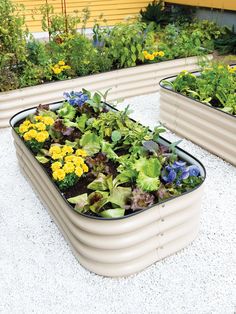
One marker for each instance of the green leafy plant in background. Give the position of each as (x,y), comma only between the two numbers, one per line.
(226,43)
(156,12)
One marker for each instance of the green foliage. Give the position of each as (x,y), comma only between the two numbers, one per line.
(69,181)
(226,43)
(90,143)
(216,86)
(67,111)
(156,12)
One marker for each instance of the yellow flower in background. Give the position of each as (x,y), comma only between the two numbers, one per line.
(81,152)
(48,120)
(79,171)
(38,118)
(68,167)
(161,53)
(61,62)
(56,165)
(151,57)
(56,70)
(40,126)
(220,67)
(67,149)
(85,168)
(59,174)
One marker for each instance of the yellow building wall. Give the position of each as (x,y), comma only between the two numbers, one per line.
(113,10)
(216,4)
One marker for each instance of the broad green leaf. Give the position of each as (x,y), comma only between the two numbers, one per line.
(90,143)
(119,196)
(80,199)
(147,183)
(115,136)
(42,159)
(81,122)
(99,184)
(67,111)
(113,213)
(97,200)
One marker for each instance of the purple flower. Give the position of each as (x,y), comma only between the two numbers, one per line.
(193,171)
(185,174)
(75,98)
(170,177)
(179,165)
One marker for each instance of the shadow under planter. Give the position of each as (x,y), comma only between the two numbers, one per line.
(123,83)
(119,246)
(204,125)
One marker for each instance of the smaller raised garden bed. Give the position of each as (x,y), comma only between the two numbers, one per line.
(201,106)
(122,196)
(123,83)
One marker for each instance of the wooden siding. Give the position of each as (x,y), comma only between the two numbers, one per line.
(113,11)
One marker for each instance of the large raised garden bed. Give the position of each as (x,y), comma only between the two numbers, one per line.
(116,246)
(205,125)
(123,83)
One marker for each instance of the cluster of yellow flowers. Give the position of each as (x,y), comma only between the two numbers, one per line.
(152,56)
(36,131)
(60,67)
(67,162)
(232,69)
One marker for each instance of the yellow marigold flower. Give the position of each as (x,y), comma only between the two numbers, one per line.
(59,174)
(42,136)
(27,137)
(220,67)
(151,57)
(79,171)
(69,158)
(23,128)
(56,165)
(67,149)
(65,67)
(54,150)
(26,123)
(48,120)
(33,133)
(38,118)
(78,161)
(81,152)
(161,53)
(40,126)
(85,168)
(68,167)
(61,62)
(56,70)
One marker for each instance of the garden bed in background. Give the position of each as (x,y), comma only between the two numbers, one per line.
(123,83)
(204,124)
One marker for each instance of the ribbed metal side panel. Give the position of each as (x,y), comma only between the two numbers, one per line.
(117,247)
(212,129)
(124,83)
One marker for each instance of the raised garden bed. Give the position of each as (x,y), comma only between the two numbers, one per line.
(124,83)
(119,245)
(204,124)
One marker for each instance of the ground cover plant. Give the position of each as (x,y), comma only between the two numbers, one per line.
(215,86)
(25,61)
(104,163)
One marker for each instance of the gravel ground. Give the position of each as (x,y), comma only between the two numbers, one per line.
(39,274)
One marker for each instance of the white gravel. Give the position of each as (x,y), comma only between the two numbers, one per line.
(39,274)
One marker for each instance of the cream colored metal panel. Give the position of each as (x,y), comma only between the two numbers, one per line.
(124,83)
(206,126)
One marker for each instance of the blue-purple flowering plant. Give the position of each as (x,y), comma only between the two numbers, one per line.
(178,171)
(76,98)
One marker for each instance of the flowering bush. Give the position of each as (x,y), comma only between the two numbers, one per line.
(104,163)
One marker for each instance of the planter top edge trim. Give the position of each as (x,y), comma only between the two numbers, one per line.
(178,149)
(209,55)
(197,101)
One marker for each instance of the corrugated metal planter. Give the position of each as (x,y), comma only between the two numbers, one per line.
(206,126)
(123,83)
(121,246)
